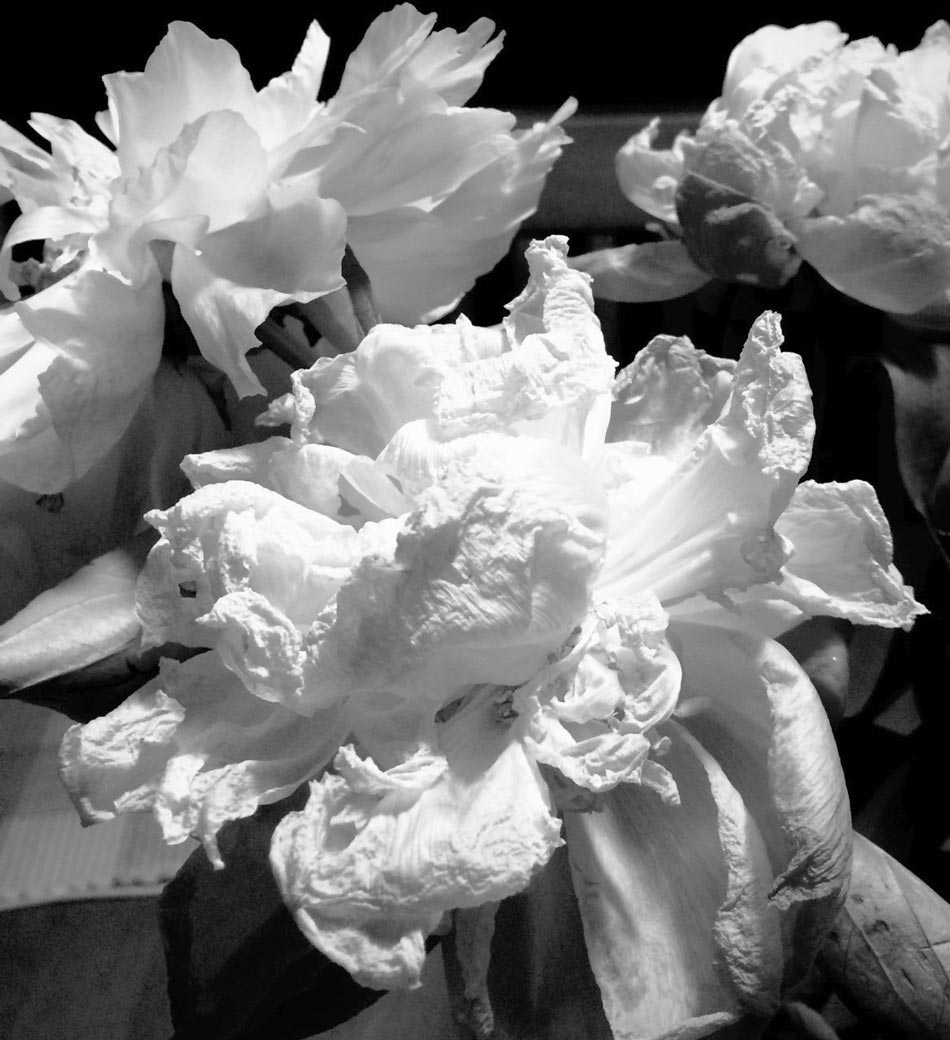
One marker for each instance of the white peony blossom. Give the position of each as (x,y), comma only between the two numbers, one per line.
(817,149)
(242,200)
(483,589)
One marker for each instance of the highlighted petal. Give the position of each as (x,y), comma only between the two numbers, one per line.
(187,76)
(368,878)
(709,525)
(462,237)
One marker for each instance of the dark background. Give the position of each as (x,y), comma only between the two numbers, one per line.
(608,55)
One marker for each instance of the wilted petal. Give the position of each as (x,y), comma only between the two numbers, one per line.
(197,748)
(674,901)
(842,557)
(709,525)
(489,575)
(358,401)
(892,252)
(649,177)
(375,859)
(593,720)
(642,273)
(228,287)
(238,537)
(71,395)
(667,396)
(753,708)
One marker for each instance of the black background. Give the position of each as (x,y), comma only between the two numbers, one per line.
(608,55)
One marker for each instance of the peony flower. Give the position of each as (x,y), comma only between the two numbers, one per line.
(817,149)
(241,200)
(490,600)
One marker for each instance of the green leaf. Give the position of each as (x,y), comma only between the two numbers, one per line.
(84,619)
(238,966)
(888,953)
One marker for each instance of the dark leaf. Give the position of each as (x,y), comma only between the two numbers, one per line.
(888,954)
(238,965)
(919,370)
(820,645)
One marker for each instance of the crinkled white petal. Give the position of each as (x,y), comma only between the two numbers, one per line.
(237,537)
(668,395)
(195,747)
(368,876)
(489,575)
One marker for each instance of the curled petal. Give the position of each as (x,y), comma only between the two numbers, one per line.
(753,708)
(842,557)
(368,878)
(642,273)
(674,902)
(892,252)
(649,177)
(195,747)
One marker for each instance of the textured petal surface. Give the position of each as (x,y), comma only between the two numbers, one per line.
(375,859)
(196,748)
(489,575)
(667,396)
